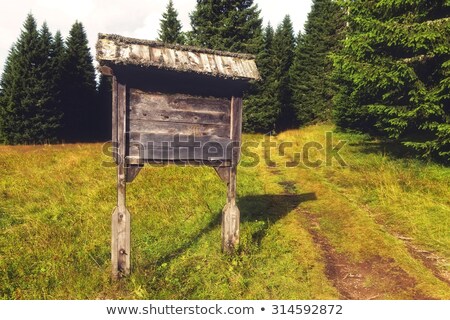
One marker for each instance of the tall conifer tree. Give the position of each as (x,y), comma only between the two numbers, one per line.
(58,57)
(51,113)
(230,25)
(28,113)
(283,50)
(170,26)
(394,72)
(262,107)
(79,95)
(312,85)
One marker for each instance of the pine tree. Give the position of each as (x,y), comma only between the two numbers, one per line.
(79,95)
(394,72)
(233,25)
(261,106)
(312,85)
(283,48)
(59,51)
(8,84)
(28,111)
(170,26)
(51,112)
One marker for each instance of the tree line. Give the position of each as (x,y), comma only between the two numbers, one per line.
(378,67)
(48,89)
(393,73)
(296,87)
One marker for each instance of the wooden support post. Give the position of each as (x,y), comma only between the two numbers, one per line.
(114,118)
(230,213)
(121,231)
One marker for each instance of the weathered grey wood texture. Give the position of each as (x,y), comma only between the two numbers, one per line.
(114,49)
(114,117)
(178,127)
(121,230)
(132,171)
(230,213)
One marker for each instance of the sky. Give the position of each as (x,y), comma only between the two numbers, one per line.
(130,18)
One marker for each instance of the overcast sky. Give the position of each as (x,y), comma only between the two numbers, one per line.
(132,18)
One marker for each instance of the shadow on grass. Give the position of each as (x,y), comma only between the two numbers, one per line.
(255,208)
(267,209)
(394,149)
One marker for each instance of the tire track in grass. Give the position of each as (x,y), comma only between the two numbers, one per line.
(430,260)
(355,281)
(375,275)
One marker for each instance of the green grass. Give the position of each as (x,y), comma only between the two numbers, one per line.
(407,196)
(56,204)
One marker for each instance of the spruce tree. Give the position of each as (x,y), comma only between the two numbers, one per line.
(261,106)
(8,83)
(283,50)
(233,25)
(170,26)
(311,73)
(58,57)
(29,113)
(79,95)
(48,77)
(394,72)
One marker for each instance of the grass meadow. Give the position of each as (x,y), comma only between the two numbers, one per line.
(377,228)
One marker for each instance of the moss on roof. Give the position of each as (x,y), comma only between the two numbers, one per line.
(158,44)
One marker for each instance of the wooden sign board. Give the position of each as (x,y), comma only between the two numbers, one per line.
(173,104)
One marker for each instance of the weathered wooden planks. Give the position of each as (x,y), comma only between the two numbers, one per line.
(173,128)
(178,114)
(160,147)
(166,115)
(180,102)
(119,50)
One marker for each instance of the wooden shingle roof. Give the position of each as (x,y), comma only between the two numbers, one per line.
(117,50)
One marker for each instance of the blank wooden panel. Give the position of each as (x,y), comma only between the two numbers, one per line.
(178,108)
(178,114)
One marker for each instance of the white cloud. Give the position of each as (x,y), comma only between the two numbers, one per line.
(133,18)
(80,9)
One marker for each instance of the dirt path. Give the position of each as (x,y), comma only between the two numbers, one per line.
(431,260)
(368,280)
